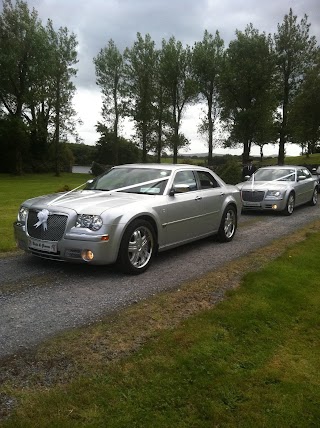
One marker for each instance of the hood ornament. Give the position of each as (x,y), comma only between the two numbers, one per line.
(42,217)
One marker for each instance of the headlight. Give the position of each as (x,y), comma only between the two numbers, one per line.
(23,212)
(92,222)
(274,194)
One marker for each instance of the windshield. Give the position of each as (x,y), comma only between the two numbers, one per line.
(275,174)
(132,180)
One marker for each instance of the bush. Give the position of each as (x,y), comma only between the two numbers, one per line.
(230,172)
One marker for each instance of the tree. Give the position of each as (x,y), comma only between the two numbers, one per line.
(128,152)
(20,39)
(304,120)
(63,56)
(161,110)
(35,80)
(109,65)
(295,50)
(246,89)
(176,72)
(207,59)
(141,61)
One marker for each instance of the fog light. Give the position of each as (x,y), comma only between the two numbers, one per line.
(87,255)
(275,207)
(105,238)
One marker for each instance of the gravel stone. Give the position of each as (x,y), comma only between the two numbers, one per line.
(40,298)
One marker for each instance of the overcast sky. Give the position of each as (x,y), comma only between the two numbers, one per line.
(95,22)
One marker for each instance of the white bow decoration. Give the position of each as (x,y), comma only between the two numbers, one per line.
(42,217)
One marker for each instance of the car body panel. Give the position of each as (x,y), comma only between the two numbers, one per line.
(177,218)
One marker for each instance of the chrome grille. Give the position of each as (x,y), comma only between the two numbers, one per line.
(252,196)
(56,225)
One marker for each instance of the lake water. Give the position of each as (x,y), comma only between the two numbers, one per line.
(81,169)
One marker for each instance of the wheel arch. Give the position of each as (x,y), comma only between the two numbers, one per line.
(145,217)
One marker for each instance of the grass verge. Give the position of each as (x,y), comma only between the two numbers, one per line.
(190,358)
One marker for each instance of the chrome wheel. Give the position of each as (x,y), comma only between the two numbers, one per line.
(290,205)
(137,247)
(140,247)
(314,198)
(228,224)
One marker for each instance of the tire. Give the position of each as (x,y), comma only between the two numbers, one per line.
(228,225)
(137,247)
(289,205)
(314,198)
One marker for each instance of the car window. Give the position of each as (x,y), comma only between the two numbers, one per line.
(207,181)
(133,180)
(276,174)
(306,172)
(187,179)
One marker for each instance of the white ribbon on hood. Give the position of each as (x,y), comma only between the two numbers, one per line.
(43,218)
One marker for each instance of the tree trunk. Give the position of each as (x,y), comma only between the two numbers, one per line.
(57,133)
(210,161)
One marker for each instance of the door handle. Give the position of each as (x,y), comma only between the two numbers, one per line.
(198,198)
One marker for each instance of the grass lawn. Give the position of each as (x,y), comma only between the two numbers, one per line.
(252,360)
(16,189)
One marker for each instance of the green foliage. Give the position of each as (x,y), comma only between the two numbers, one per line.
(246,88)
(83,154)
(36,67)
(304,119)
(230,171)
(206,62)
(177,75)
(140,70)
(109,65)
(112,152)
(295,52)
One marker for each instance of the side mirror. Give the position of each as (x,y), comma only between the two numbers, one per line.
(179,188)
(247,177)
(301,177)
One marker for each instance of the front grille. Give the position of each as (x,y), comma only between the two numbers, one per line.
(252,196)
(56,225)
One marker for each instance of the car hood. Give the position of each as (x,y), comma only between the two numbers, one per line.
(85,202)
(263,185)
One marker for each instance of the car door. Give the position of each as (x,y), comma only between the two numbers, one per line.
(212,198)
(304,186)
(183,210)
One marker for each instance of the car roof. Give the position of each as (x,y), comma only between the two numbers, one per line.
(282,167)
(169,166)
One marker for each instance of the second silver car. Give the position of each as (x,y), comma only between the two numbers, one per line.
(279,188)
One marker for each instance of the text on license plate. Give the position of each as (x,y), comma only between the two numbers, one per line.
(47,246)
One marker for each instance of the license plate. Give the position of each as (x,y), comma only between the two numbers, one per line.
(46,246)
(251,204)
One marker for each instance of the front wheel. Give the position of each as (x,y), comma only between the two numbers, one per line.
(314,198)
(137,247)
(228,225)
(290,205)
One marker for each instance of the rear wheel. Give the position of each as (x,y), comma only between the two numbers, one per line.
(228,225)
(137,247)
(314,198)
(290,205)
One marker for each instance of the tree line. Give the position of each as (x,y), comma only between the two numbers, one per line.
(259,89)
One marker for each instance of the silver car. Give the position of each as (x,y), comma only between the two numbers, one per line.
(128,214)
(279,188)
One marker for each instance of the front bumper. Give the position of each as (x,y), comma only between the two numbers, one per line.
(268,205)
(71,247)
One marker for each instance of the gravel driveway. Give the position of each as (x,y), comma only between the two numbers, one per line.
(39,298)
